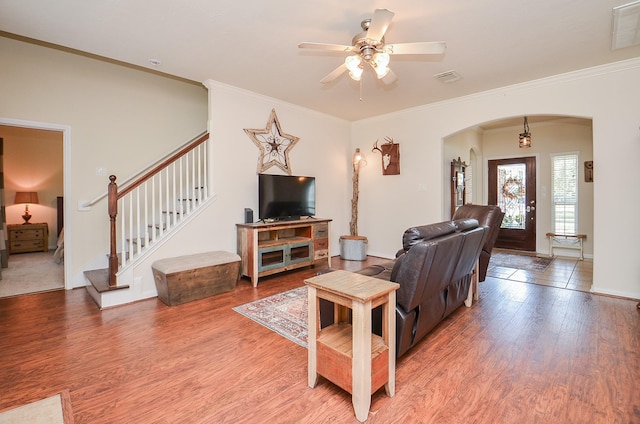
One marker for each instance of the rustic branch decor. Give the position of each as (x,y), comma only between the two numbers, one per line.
(358,161)
(390,156)
(273,143)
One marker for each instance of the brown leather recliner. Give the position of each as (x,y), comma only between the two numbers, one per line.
(487,216)
(434,269)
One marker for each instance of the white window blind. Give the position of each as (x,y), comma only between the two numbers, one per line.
(564,180)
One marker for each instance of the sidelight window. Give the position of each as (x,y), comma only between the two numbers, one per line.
(564,186)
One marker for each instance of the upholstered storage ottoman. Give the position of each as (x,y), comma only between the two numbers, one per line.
(192,277)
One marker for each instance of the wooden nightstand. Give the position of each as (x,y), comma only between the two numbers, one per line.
(28,238)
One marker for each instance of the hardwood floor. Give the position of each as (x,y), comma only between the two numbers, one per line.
(524,353)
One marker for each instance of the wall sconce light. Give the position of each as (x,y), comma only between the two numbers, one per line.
(26,198)
(359,159)
(525,137)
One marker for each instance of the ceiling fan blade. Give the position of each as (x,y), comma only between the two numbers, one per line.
(426,47)
(324,46)
(334,74)
(390,78)
(379,24)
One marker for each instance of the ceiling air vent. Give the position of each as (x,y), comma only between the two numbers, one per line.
(448,76)
(626,25)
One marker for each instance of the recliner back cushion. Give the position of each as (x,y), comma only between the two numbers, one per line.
(489,216)
(415,235)
(425,269)
(444,262)
(410,271)
(465,224)
(469,253)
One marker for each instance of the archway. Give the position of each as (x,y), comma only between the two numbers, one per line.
(499,140)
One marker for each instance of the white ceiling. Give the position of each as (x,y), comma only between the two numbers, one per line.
(253,44)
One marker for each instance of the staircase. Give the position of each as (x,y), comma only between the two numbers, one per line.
(144,211)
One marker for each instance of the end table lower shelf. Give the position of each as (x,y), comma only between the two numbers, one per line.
(335,352)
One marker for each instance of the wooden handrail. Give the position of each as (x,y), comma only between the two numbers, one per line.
(163,165)
(137,175)
(114,195)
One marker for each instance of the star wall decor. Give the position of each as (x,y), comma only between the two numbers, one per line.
(274,145)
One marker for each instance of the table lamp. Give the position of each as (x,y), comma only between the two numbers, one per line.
(26,197)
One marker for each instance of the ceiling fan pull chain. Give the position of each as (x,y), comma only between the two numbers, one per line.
(360,89)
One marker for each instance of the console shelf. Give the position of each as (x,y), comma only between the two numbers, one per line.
(270,247)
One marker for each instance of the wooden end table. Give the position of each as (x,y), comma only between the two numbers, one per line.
(349,355)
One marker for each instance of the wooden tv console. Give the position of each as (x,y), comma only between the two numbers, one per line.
(270,247)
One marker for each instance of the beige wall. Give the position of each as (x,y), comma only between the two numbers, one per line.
(33,162)
(107,109)
(113,117)
(608,95)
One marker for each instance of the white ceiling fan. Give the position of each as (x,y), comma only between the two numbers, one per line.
(369,48)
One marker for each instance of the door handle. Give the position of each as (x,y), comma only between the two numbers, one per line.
(531,208)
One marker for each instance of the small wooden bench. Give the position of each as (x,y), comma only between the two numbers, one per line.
(558,238)
(192,277)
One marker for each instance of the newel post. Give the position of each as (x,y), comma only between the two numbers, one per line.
(113,213)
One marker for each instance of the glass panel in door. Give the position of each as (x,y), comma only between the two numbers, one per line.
(512,195)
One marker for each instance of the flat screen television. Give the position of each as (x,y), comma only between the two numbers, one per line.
(286,197)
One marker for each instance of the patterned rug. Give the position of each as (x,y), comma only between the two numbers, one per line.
(511,260)
(285,313)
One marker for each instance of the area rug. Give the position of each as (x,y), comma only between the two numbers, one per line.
(528,263)
(285,313)
(52,410)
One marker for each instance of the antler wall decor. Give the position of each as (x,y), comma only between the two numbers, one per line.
(390,152)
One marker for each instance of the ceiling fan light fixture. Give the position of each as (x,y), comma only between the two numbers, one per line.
(369,48)
(353,62)
(381,59)
(354,65)
(381,71)
(356,74)
(380,64)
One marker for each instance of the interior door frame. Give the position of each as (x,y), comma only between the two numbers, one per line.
(517,239)
(66,171)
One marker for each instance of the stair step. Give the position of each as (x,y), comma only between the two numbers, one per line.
(99,279)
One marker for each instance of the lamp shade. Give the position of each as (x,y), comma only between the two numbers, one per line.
(29,197)
(358,159)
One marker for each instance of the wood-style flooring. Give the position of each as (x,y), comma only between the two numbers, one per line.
(525,353)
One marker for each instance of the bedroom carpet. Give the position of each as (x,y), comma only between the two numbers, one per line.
(52,410)
(31,273)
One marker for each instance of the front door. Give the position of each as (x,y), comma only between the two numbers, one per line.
(512,186)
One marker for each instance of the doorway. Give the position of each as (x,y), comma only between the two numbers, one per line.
(512,186)
(43,175)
